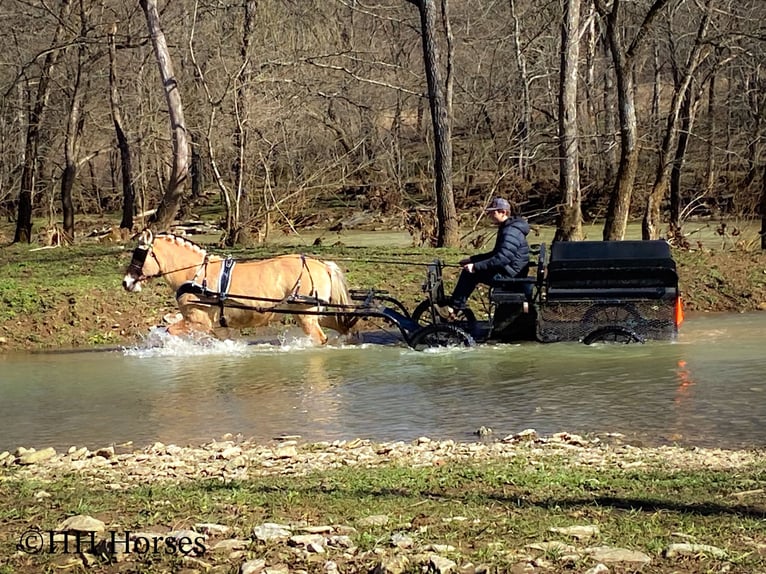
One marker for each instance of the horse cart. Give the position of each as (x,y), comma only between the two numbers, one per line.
(586,291)
(589,291)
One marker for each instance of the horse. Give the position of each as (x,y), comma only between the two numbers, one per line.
(250,293)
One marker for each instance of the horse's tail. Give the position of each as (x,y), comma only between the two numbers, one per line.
(339,295)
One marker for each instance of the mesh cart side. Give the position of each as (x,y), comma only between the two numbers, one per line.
(595,286)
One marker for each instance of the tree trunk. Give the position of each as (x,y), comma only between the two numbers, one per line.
(763,208)
(650,226)
(74,128)
(448,232)
(712,126)
(128,191)
(570,218)
(526,105)
(173,196)
(238,232)
(29,169)
(687,118)
(624,68)
(610,129)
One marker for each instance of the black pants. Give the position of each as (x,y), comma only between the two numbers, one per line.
(467,282)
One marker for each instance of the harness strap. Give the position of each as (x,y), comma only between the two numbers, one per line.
(224,282)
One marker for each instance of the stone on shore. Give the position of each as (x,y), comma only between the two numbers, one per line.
(81,523)
(33,457)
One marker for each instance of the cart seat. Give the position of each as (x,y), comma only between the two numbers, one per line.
(588,269)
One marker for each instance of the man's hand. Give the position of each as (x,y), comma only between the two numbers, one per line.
(465,261)
(468,267)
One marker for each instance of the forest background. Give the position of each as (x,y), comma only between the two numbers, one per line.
(419,110)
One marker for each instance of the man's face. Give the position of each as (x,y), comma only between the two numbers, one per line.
(497,216)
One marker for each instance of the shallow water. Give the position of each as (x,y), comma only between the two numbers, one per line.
(705,389)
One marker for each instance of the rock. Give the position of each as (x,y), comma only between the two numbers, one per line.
(693,550)
(392,565)
(440,564)
(554,546)
(40,494)
(340,541)
(579,532)
(525,435)
(597,569)
(315,548)
(305,539)
(107,452)
(229,453)
(441,548)
(21,451)
(316,529)
(762,306)
(374,520)
(81,523)
(330,567)
(278,569)
(271,531)
(252,566)
(610,555)
(211,528)
(34,457)
(401,540)
(288,451)
(3,455)
(230,545)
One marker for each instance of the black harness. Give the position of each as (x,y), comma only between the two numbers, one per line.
(224,282)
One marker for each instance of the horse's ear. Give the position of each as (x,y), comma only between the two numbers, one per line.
(146,238)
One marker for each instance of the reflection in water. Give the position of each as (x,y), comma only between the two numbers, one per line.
(705,389)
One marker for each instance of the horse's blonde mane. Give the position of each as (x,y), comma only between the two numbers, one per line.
(182,241)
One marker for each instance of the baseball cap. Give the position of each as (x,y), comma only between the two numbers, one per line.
(499,203)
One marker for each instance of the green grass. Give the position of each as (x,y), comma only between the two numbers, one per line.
(503,507)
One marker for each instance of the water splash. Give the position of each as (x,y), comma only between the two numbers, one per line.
(158,343)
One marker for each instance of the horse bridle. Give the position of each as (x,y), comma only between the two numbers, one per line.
(141,252)
(136,266)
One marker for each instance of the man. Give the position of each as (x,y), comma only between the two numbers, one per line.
(508,259)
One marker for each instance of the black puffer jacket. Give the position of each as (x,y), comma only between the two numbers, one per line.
(510,255)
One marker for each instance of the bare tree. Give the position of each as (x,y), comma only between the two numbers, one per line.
(126,161)
(650,228)
(624,59)
(173,195)
(29,173)
(570,217)
(448,232)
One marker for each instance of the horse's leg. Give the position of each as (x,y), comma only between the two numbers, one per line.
(310,326)
(195,320)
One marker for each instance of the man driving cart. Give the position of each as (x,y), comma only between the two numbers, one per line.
(508,259)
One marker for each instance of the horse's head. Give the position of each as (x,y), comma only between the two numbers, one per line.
(144,264)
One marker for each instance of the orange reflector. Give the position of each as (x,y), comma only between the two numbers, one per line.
(679,311)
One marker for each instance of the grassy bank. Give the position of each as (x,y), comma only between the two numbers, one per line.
(534,506)
(71,297)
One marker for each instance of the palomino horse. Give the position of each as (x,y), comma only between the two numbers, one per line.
(265,288)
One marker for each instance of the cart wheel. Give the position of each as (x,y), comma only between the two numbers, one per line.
(440,335)
(612,334)
(422,316)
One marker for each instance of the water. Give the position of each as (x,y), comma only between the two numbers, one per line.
(705,389)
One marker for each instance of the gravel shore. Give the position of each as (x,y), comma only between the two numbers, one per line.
(232,458)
